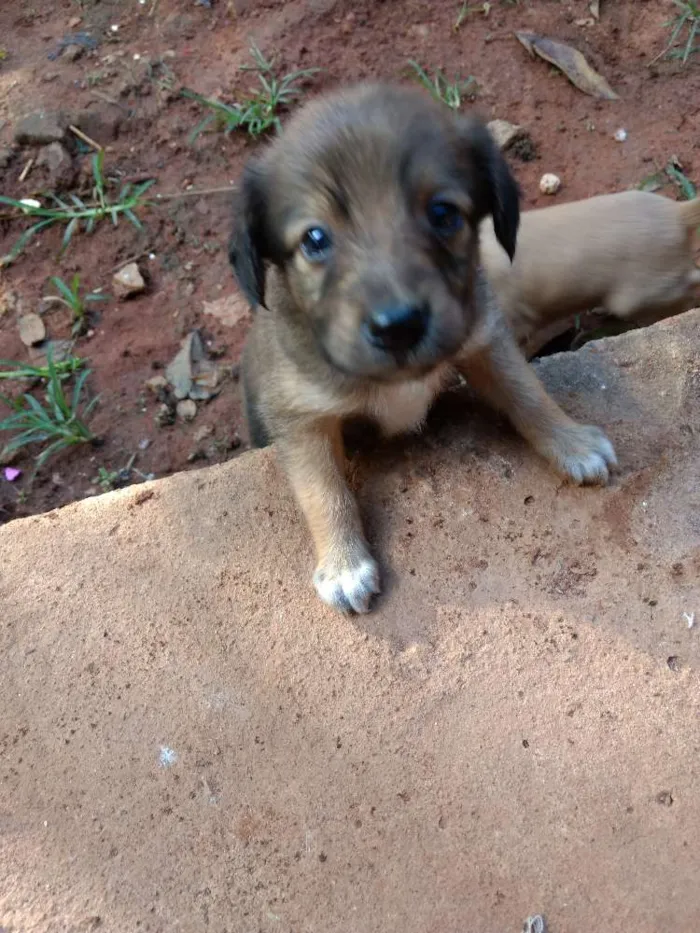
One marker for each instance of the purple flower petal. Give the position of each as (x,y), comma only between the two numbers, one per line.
(12,473)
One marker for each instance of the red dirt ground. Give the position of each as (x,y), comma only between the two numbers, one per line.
(163,45)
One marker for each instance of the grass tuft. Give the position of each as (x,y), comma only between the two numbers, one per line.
(450,93)
(258,113)
(60,421)
(684,26)
(77,214)
(69,296)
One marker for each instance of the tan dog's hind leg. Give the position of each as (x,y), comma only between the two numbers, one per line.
(499,372)
(346,576)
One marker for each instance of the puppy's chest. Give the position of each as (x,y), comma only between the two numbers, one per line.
(404,407)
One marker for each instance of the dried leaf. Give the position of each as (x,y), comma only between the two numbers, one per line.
(594,7)
(570,61)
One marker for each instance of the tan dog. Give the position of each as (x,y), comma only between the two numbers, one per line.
(356,238)
(629,253)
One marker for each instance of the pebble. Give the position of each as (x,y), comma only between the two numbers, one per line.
(191,373)
(165,415)
(505,133)
(56,159)
(31,329)
(128,281)
(73,52)
(9,302)
(41,128)
(550,183)
(156,384)
(203,433)
(186,409)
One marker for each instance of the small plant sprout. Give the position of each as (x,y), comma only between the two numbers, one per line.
(60,421)
(69,296)
(78,214)
(258,113)
(685,26)
(467,9)
(450,93)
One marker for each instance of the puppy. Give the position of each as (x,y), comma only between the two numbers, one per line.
(629,253)
(356,240)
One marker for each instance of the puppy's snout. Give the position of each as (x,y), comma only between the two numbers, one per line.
(397,328)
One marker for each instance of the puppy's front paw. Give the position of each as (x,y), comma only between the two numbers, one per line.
(347,580)
(581,453)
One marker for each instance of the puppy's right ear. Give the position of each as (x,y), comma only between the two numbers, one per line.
(247,249)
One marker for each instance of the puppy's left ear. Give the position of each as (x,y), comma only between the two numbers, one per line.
(247,249)
(495,190)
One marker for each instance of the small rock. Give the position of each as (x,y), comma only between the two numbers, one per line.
(165,415)
(74,21)
(31,329)
(506,133)
(179,372)
(156,384)
(128,281)
(186,409)
(56,159)
(71,53)
(41,128)
(203,433)
(191,374)
(205,383)
(6,156)
(60,350)
(9,302)
(550,183)
(620,135)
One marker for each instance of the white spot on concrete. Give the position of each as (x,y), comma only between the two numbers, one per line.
(167,757)
(689,618)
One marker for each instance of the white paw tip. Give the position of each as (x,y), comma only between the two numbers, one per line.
(349,589)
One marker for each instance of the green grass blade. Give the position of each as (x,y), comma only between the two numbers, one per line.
(68,234)
(129,214)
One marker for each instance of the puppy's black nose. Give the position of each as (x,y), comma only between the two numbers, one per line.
(397,328)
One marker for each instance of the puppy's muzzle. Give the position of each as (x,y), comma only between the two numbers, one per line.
(397,329)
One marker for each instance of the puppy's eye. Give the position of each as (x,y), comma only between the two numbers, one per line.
(316,244)
(444,218)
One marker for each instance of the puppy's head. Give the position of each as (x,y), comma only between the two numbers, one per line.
(369,206)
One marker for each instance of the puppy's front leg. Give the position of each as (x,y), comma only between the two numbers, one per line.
(499,372)
(346,576)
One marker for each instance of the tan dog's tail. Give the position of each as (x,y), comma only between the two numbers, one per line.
(690,213)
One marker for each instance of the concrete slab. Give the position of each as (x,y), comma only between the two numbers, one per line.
(190,741)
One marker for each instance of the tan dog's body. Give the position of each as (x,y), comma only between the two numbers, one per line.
(357,239)
(629,253)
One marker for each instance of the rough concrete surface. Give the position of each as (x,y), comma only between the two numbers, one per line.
(190,741)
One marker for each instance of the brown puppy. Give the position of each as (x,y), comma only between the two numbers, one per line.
(356,237)
(629,253)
